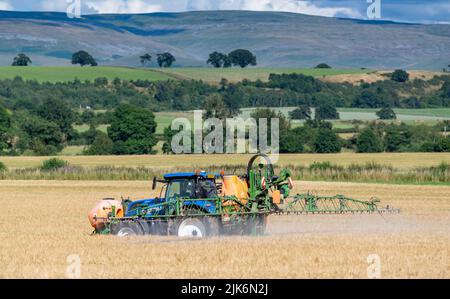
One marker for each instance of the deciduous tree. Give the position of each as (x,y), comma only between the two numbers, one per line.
(83,58)
(242,58)
(165,59)
(21,60)
(132,130)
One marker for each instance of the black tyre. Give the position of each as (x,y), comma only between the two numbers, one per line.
(158,227)
(145,226)
(212,226)
(261,225)
(125,229)
(256,225)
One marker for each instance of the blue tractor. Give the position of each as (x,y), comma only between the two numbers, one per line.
(201,204)
(193,193)
(195,204)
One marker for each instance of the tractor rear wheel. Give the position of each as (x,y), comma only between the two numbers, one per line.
(256,225)
(212,226)
(261,225)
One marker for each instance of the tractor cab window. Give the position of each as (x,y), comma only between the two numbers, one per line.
(182,188)
(206,189)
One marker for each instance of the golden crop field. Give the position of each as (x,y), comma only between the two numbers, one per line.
(44,222)
(398,160)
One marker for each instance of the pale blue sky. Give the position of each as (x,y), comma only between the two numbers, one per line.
(423,11)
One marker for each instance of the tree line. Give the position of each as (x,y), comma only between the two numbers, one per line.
(319,136)
(239,57)
(49,128)
(281,90)
(38,118)
(83,58)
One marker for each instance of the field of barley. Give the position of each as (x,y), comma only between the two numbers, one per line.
(401,160)
(44,222)
(212,75)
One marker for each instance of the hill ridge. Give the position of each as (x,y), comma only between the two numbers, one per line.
(279,39)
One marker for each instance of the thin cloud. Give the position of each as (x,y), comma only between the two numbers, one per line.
(305,7)
(147,6)
(5,5)
(426,11)
(124,6)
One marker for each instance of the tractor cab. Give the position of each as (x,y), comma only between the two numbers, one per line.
(196,188)
(190,185)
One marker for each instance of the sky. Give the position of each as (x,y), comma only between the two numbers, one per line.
(417,11)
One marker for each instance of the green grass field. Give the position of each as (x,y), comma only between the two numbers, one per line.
(402,114)
(64,74)
(427,116)
(211,75)
(84,128)
(163,119)
(370,114)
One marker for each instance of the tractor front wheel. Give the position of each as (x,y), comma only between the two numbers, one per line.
(191,228)
(195,225)
(126,229)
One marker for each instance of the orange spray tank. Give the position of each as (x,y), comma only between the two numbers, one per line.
(233,186)
(103,210)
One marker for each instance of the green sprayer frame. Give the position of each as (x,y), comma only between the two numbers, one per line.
(233,212)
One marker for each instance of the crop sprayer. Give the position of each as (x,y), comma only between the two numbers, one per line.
(201,204)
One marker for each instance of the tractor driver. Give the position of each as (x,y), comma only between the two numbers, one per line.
(206,189)
(187,189)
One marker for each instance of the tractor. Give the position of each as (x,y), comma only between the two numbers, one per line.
(202,204)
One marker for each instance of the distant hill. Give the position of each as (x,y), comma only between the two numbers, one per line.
(278,39)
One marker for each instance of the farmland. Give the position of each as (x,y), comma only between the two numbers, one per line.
(64,74)
(163,119)
(426,116)
(402,114)
(404,168)
(58,112)
(363,114)
(400,160)
(413,244)
(430,115)
(210,75)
